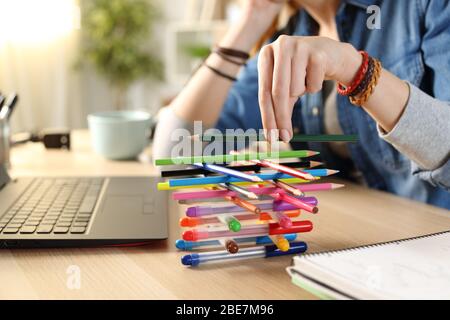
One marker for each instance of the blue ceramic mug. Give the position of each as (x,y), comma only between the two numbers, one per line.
(119,135)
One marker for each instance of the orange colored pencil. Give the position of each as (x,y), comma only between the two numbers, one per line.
(244,204)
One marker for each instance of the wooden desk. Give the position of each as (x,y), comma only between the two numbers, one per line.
(348,217)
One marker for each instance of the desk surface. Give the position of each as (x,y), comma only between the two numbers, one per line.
(348,217)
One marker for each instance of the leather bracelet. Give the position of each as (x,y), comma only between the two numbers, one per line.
(365,96)
(346,91)
(365,83)
(220,73)
(233,53)
(224,57)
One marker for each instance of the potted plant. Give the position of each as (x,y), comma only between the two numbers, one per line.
(116,38)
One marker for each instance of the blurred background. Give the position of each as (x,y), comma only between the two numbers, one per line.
(69,58)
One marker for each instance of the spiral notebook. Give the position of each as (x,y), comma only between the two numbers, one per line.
(415,268)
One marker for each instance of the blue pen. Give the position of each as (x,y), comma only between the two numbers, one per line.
(224,179)
(263,240)
(194,259)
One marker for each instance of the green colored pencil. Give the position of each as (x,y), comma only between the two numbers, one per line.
(295,138)
(223,158)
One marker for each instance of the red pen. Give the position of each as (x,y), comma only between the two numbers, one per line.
(264,216)
(254,230)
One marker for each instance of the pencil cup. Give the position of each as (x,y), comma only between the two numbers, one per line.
(4,143)
(119,135)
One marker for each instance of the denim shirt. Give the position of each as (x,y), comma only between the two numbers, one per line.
(413,44)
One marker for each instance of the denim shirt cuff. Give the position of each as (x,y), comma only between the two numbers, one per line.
(423,131)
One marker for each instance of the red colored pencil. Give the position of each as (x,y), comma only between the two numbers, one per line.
(287,170)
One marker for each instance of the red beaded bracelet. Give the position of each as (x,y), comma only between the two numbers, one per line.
(346,91)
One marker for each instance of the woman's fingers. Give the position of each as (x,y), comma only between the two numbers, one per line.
(315,73)
(265,72)
(281,87)
(298,74)
(289,68)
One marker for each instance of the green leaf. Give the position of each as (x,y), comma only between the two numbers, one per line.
(114,34)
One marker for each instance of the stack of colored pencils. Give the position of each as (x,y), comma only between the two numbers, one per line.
(248,205)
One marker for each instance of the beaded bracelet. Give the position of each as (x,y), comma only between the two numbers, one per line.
(367,93)
(346,91)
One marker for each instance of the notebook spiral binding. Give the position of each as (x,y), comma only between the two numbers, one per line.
(381,244)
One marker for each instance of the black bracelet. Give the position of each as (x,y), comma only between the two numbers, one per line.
(233,53)
(220,73)
(224,57)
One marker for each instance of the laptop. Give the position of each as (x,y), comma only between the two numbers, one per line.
(80,211)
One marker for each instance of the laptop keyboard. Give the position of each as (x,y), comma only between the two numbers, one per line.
(53,206)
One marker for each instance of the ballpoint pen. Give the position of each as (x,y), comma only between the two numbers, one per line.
(280,242)
(247,231)
(194,259)
(199,211)
(257,241)
(232,223)
(215,219)
(283,219)
(231,246)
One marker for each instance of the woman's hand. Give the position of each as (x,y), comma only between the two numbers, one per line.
(261,12)
(255,20)
(293,66)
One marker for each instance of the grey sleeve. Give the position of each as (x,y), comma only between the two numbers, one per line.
(423,132)
(423,135)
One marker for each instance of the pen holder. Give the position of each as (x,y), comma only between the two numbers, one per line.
(4,143)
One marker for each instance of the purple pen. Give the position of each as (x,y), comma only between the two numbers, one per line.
(199,211)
